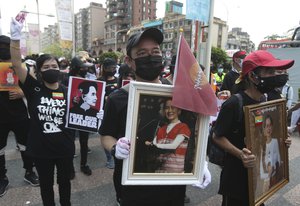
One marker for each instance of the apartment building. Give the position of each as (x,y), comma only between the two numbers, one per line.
(238,39)
(50,36)
(89,25)
(122,15)
(175,24)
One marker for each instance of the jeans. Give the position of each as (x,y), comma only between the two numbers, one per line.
(45,169)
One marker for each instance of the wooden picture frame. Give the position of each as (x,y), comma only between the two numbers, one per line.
(266,132)
(148,164)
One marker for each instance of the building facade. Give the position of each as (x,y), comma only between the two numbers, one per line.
(50,36)
(237,39)
(175,24)
(219,33)
(122,15)
(89,25)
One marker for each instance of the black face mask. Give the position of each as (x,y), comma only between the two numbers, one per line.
(5,54)
(50,76)
(149,67)
(266,84)
(281,80)
(82,73)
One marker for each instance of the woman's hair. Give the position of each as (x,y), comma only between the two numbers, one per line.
(84,88)
(40,62)
(264,141)
(265,120)
(246,83)
(125,71)
(163,108)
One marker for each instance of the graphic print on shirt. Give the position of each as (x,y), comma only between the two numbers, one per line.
(50,113)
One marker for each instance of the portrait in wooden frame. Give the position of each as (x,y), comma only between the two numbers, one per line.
(266,132)
(149,163)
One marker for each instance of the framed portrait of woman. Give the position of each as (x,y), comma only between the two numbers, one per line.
(168,144)
(266,132)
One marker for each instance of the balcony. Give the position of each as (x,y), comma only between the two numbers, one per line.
(112,10)
(121,14)
(125,21)
(121,6)
(111,3)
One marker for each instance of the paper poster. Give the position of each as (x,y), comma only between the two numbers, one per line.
(85,103)
(8,78)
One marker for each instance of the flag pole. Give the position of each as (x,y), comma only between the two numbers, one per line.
(177,55)
(0,23)
(209,39)
(73,30)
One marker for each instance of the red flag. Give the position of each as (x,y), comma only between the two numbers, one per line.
(192,90)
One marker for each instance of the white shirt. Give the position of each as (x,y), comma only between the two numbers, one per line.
(272,156)
(288,93)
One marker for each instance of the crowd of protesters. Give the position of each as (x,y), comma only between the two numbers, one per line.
(49,145)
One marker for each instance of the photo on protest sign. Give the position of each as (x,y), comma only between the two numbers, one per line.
(85,103)
(266,132)
(8,77)
(167,146)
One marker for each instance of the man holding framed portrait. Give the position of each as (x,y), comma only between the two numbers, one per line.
(258,76)
(145,57)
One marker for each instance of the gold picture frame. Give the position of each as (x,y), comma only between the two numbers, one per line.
(266,132)
(144,116)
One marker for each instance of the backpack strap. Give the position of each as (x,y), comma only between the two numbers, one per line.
(240,101)
(287,93)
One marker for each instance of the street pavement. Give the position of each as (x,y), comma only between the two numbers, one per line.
(98,190)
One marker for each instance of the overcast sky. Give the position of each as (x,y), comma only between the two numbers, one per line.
(259,18)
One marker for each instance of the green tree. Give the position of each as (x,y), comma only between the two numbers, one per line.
(104,55)
(218,56)
(56,50)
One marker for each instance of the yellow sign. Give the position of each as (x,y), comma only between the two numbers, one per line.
(66,44)
(8,77)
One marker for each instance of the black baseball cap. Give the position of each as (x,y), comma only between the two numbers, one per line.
(77,63)
(151,33)
(109,62)
(4,40)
